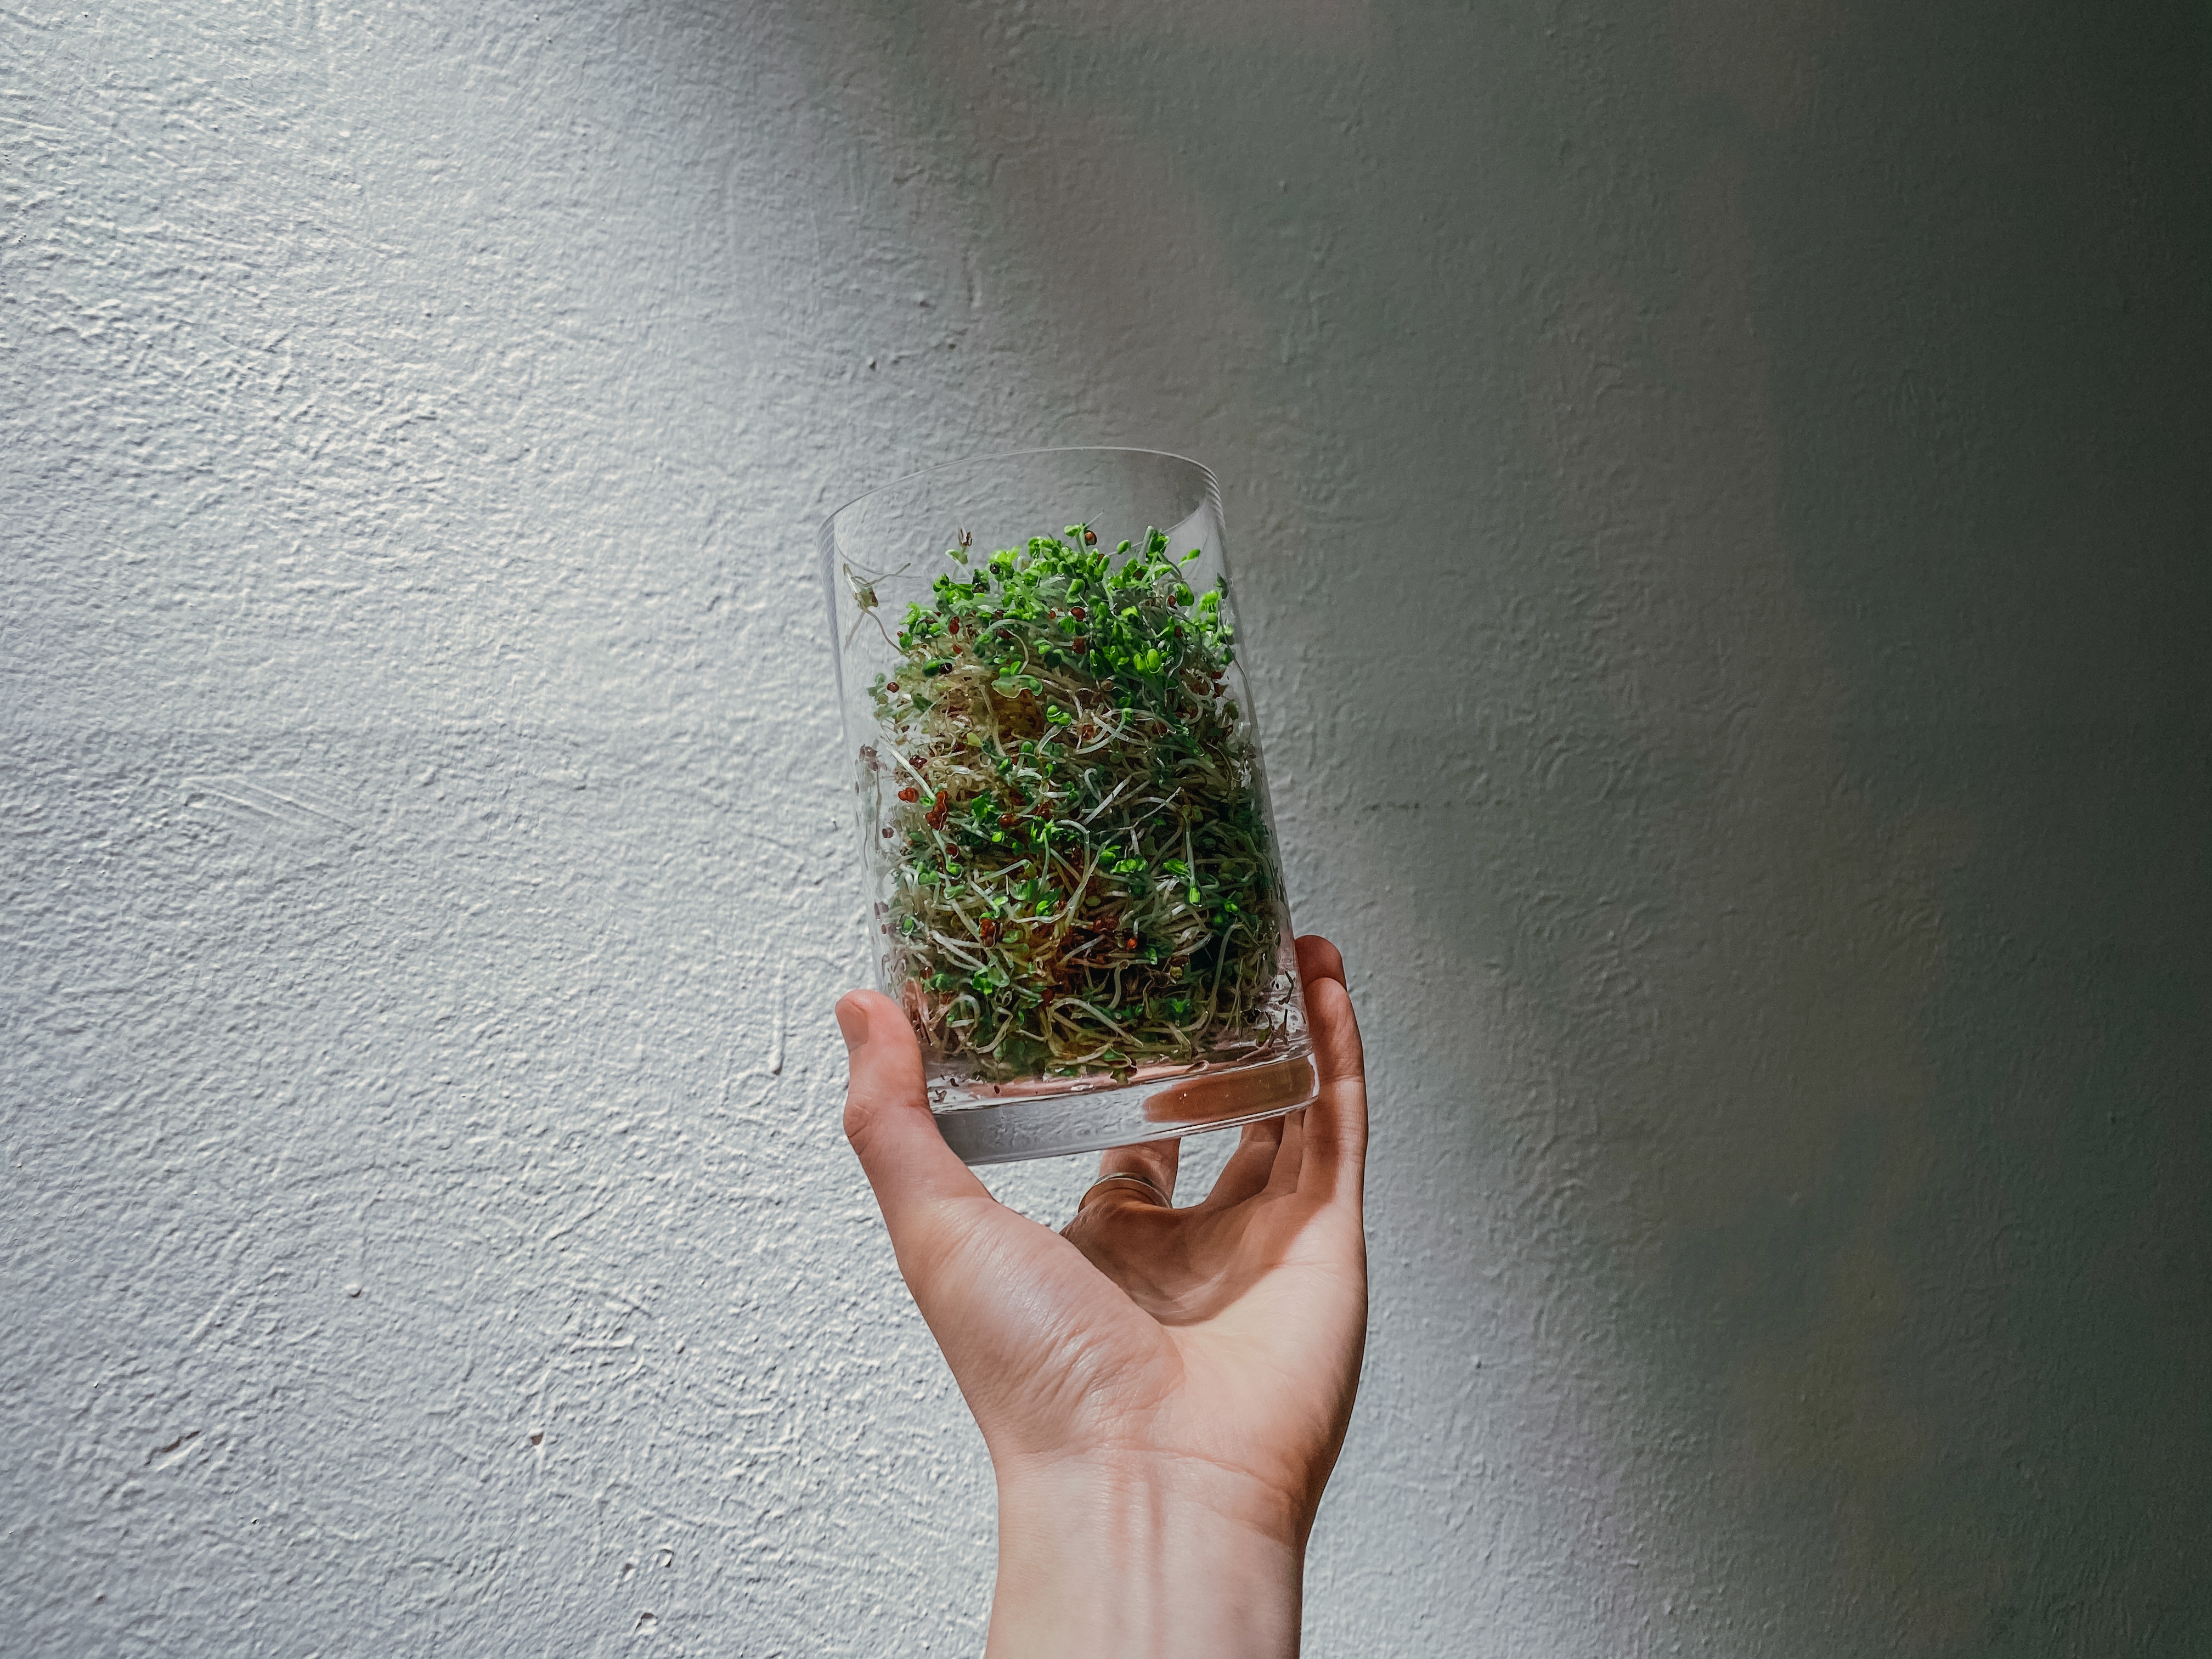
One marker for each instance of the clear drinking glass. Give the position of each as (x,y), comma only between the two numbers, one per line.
(1072,883)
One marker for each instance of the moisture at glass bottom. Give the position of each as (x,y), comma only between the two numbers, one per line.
(1020,1125)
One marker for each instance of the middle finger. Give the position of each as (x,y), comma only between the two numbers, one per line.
(1249,1166)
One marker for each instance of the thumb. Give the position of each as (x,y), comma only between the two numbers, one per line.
(888,1120)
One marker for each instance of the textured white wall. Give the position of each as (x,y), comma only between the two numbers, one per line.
(1717,493)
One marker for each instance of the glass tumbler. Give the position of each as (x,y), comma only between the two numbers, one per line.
(1070,861)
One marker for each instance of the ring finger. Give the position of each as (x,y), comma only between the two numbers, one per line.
(1153,1164)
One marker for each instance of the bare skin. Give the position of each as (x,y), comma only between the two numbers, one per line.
(1164,1390)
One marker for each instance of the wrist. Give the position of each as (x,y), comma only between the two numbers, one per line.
(1158,1556)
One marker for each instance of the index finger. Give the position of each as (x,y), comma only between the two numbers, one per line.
(1335,1161)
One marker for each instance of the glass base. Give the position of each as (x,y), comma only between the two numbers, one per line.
(1017,1126)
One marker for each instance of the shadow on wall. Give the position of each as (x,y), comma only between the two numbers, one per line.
(1648,440)
(1746,1089)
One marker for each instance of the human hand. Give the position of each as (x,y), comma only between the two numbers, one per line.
(1164,1391)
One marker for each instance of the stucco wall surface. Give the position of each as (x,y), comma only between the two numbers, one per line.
(1720,500)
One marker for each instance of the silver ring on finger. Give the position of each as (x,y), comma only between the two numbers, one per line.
(1145,1182)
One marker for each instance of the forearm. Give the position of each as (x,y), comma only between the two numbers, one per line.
(1157,1559)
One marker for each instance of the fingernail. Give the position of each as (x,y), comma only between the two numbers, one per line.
(853,1023)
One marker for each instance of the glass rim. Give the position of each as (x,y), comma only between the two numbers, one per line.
(1212,483)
